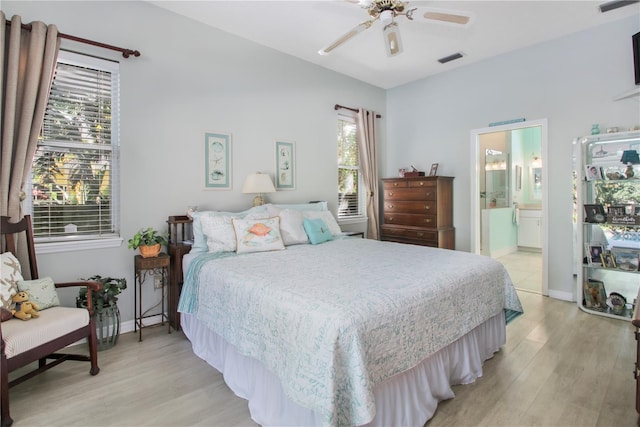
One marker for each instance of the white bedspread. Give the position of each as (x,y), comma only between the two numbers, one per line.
(333,320)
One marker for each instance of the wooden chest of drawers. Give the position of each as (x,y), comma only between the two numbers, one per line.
(418,211)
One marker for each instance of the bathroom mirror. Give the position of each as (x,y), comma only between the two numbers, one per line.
(496,180)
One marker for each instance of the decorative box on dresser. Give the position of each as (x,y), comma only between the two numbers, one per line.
(419,211)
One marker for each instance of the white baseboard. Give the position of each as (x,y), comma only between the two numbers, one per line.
(564,296)
(129,325)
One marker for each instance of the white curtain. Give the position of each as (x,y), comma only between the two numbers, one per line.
(367,142)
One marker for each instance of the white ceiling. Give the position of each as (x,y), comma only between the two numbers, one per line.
(301,28)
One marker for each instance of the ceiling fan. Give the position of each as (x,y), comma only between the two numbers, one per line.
(386,11)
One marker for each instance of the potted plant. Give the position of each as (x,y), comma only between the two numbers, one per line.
(149,241)
(105,308)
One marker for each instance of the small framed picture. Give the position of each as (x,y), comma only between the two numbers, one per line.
(617,210)
(592,172)
(608,260)
(636,210)
(627,259)
(595,295)
(217,161)
(594,250)
(594,213)
(434,170)
(285,165)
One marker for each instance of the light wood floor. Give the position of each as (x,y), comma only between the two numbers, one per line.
(560,367)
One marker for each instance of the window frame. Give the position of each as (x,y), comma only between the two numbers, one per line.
(109,240)
(361,215)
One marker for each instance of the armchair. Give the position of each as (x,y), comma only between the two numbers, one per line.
(24,342)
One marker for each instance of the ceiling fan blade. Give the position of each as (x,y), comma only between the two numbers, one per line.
(446,16)
(347,36)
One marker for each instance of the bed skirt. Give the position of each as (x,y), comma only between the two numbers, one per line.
(407,399)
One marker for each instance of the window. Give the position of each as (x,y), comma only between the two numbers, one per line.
(350,187)
(74,177)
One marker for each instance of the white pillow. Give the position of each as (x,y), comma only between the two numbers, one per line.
(218,229)
(328,219)
(292,227)
(258,235)
(10,275)
(200,238)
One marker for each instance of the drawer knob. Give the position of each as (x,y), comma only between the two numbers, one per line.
(421,183)
(428,194)
(390,219)
(421,234)
(390,206)
(427,207)
(395,184)
(427,220)
(390,193)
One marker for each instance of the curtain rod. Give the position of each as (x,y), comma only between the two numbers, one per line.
(125,52)
(342,107)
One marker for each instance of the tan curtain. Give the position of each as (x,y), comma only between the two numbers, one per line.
(27,65)
(367,142)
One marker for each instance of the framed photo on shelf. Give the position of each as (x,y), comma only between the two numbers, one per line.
(619,210)
(217,161)
(594,252)
(592,172)
(627,259)
(594,213)
(434,169)
(595,295)
(608,260)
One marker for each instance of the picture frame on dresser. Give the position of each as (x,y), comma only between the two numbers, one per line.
(434,170)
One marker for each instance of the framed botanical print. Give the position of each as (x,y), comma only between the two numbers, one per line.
(285,165)
(217,161)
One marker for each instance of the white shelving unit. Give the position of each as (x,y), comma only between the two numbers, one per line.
(604,152)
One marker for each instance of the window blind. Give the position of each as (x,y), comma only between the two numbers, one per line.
(74,171)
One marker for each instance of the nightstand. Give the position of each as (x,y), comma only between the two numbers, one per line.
(142,267)
(180,229)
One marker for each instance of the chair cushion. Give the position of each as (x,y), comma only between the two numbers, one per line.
(22,335)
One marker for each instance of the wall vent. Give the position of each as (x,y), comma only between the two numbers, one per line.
(616,4)
(451,57)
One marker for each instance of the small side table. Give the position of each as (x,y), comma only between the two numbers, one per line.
(142,266)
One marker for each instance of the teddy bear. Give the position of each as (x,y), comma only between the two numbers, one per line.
(24,309)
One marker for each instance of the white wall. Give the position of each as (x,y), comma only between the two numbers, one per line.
(570,81)
(190,79)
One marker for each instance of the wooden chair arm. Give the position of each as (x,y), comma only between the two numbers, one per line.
(91,286)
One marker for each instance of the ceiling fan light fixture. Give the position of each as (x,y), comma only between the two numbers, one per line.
(392,40)
(386,17)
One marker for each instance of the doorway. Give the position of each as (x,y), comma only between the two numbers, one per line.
(509,208)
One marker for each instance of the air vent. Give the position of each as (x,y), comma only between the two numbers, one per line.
(616,4)
(451,57)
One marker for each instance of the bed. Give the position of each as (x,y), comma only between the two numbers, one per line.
(348,332)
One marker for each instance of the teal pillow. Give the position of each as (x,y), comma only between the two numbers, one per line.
(317,231)
(41,291)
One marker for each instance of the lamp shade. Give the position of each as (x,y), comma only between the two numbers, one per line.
(258,183)
(630,156)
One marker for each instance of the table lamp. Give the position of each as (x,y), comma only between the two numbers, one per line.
(258,183)
(630,158)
